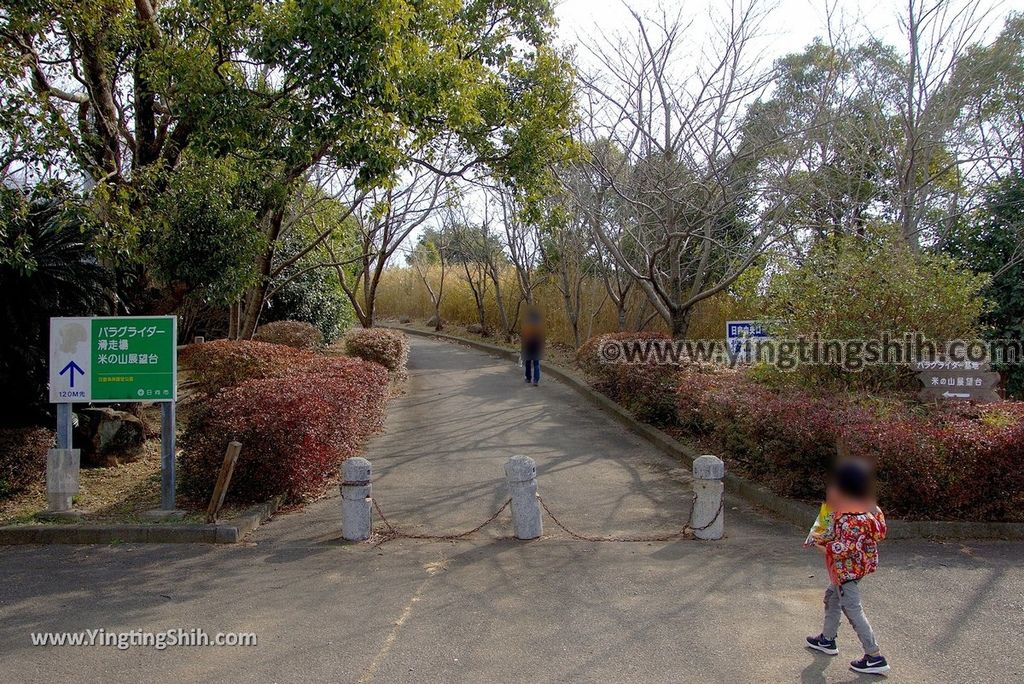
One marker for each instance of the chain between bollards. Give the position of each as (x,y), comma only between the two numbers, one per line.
(528,507)
(685,532)
(393,532)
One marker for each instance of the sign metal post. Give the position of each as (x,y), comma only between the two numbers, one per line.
(167,484)
(65,426)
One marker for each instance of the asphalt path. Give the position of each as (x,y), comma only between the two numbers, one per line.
(492,609)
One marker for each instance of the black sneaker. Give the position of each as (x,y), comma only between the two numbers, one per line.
(820,643)
(870,665)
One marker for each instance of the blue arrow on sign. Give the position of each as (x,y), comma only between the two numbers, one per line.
(70,369)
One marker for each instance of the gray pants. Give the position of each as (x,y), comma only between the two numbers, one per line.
(845,599)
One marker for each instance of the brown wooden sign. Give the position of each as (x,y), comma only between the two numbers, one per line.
(937,365)
(944,384)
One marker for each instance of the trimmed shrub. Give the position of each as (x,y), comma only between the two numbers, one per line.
(389,348)
(295,430)
(224,363)
(857,287)
(645,389)
(944,462)
(22,458)
(298,334)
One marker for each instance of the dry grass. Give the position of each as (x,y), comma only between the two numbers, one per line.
(402,293)
(117,494)
(107,494)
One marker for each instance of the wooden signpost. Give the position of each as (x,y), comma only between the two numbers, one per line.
(957,381)
(220,490)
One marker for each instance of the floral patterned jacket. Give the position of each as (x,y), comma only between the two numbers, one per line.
(851,545)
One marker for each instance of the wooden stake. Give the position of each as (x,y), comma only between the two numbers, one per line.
(223,480)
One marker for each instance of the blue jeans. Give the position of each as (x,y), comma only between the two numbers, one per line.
(534,365)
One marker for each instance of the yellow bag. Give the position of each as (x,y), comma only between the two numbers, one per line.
(822,525)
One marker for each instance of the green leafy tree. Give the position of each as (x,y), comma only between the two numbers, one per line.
(842,174)
(203,236)
(120,93)
(308,289)
(993,243)
(858,287)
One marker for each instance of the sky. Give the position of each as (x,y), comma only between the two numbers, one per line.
(789,26)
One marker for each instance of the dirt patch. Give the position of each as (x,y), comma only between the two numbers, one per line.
(106,494)
(116,494)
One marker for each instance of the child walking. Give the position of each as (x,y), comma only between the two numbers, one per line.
(850,543)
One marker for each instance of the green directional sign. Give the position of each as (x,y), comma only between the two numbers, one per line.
(108,359)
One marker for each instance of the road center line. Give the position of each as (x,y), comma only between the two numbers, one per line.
(385,648)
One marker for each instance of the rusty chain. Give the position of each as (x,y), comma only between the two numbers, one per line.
(684,532)
(392,531)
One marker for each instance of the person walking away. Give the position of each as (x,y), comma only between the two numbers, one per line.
(532,340)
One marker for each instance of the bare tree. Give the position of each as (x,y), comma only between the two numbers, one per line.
(591,202)
(617,284)
(383,222)
(523,245)
(433,250)
(494,259)
(567,247)
(704,192)
(472,248)
(939,34)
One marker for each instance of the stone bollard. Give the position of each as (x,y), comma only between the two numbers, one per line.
(708,472)
(356,522)
(62,466)
(521,478)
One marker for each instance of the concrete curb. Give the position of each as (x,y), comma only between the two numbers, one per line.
(789,510)
(228,532)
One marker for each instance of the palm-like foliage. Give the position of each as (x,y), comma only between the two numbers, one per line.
(55,274)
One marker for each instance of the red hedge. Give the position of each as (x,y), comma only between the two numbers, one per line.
(298,334)
(647,390)
(224,363)
(389,348)
(295,430)
(947,462)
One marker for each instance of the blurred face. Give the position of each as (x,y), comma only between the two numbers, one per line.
(841,499)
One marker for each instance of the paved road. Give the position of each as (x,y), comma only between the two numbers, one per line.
(491,609)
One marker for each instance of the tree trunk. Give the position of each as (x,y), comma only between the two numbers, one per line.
(251,310)
(368,315)
(502,313)
(256,296)
(680,323)
(233,321)
(481,311)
